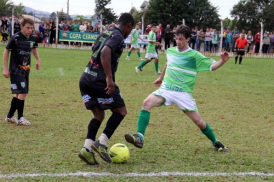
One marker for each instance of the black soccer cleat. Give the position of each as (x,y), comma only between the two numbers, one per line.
(102,150)
(135,140)
(220,147)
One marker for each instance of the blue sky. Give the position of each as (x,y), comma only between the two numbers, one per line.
(86,7)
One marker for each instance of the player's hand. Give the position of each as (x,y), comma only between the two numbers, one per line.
(110,85)
(6,73)
(37,65)
(225,56)
(158,82)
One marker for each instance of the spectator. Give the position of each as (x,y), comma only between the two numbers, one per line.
(4,21)
(193,37)
(42,29)
(20,19)
(160,34)
(271,47)
(5,34)
(228,40)
(106,27)
(215,39)
(9,25)
(167,32)
(1,23)
(257,39)
(207,40)
(60,24)
(249,38)
(224,34)
(83,27)
(75,26)
(66,28)
(38,36)
(200,37)
(174,36)
(112,25)
(17,27)
(53,32)
(47,31)
(235,35)
(96,29)
(267,38)
(89,29)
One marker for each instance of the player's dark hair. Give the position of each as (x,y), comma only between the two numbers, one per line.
(126,18)
(154,25)
(183,29)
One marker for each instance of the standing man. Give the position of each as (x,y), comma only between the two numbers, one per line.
(241,45)
(207,40)
(257,39)
(135,35)
(235,35)
(99,91)
(168,32)
(177,82)
(21,45)
(151,51)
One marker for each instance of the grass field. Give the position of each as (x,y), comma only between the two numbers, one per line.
(236,100)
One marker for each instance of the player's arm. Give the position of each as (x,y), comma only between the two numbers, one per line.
(106,63)
(36,55)
(142,39)
(130,39)
(224,58)
(159,80)
(6,72)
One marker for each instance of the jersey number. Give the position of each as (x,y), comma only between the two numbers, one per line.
(102,40)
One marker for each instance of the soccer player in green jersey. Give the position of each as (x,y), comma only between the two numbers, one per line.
(177,82)
(151,51)
(135,35)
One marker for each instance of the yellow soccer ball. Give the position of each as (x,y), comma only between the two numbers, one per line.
(119,153)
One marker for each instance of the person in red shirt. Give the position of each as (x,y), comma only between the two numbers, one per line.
(241,45)
(257,39)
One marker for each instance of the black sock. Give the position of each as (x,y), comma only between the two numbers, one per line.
(93,127)
(240,61)
(20,107)
(12,107)
(113,123)
(236,59)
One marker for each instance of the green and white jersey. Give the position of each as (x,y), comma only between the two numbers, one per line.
(151,47)
(182,69)
(135,36)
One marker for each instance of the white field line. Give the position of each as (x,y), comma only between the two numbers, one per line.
(93,174)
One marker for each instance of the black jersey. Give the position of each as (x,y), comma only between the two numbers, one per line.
(112,38)
(20,47)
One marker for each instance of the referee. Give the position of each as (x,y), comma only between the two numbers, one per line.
(241,45)
(21,45)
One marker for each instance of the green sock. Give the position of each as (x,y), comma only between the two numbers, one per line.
(128,54)
(139,54)
(143,120)
(143,63)
(156,67)
(209,134)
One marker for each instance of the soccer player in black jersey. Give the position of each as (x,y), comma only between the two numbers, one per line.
(99,91)
(21,45)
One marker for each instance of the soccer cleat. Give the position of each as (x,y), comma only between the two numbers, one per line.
(88,157)
(137,69)
(102,151)
(13,119)
(128,58)
(159,72)
(220,147)
(22,121)
(141,59)
(135,140)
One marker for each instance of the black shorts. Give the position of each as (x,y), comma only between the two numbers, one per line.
(241,51)
(19,84)
(94,94)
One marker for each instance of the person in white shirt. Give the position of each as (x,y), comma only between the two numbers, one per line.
(83,27)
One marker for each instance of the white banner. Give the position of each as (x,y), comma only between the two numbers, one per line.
(140,42)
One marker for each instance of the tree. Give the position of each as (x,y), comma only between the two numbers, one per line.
(107,13)
(249,14)
(52,15)
(228,22)
(137,15)
(62,15)
(20,9)
(196,13)
(6,7)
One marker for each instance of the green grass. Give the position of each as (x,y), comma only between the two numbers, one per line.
(237,101)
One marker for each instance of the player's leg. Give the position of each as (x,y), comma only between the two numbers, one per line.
(206,129)
(10,117)
(156,63)
(129,52)
(143,120)
(139,55)
(143,63)
(241,58)
(236,58)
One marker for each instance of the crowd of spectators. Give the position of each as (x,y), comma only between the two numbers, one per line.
(6,27)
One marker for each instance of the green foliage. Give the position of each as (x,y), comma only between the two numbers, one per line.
(62,15)
(137,15)
(53,15)
(107,13)
(228,22)
(5,7)
(20,9)
(249,14)
(196,13)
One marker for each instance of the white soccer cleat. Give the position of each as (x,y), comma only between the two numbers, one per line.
(141,59)
(13,119)
(22,121)
(159,72)
(128,58)
(137,69)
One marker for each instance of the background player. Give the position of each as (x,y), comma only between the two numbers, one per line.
(99,91)
(241,46)
(21,45)
(151,51)
(177,82)
(135,35)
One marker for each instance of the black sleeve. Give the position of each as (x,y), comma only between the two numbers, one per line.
(10,44)
(35,45)
(114,41)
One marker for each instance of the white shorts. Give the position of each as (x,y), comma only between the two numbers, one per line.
(135,46)
(183,100)
(151,56)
